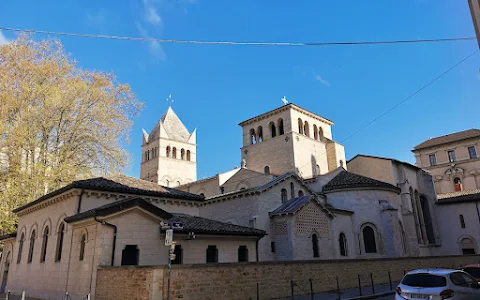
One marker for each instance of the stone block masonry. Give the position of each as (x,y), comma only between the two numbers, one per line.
(238,281)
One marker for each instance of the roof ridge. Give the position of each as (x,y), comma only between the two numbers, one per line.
(459,135)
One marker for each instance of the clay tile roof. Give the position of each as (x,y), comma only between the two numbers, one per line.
(174,126)
(193,224)
(200,225)
(292,205)
(347,180)
(449,138)
(457,197)
(8,236)
(119,184)
(118,206)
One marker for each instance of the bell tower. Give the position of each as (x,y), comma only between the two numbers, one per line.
(169,152)
(290,138)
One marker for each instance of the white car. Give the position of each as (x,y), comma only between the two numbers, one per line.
(438,284)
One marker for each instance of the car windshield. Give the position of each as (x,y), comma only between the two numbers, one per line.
(475,272)
(424,280)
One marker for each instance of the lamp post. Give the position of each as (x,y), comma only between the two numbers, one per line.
(169,227)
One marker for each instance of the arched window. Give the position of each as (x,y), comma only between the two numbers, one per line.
(83,241)
(315,132)
(342,240)
(212,254)
(300,126)
(320,133)
(253,137)
(317,170)
(43,255)
(416,217)
(427,219)
(167,152)
(60,236)
(369,239)
(462,221)
(182,154)
(315,245)
(267,170)
(292,190)
(260,134)
(20,248)
(467,245)
(202,194)
(306,129)
(7,266)
(174,152)
(130,255)
(273,129)
(178,183)
(404,239)
(32,246)
(284,195)
(280,127)
(188,155)
(178,255)
(167,182)
(300,193)
(242,254)
(457,184)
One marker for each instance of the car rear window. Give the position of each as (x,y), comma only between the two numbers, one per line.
(424,280)
(475,272)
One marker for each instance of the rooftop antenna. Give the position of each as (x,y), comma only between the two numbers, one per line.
(169,100)
(284,100)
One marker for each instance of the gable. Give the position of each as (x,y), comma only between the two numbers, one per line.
(245,178)
(312,218)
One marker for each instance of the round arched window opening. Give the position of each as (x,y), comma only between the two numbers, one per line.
(457,184)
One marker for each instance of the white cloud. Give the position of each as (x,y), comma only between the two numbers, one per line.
(151,14)
(3,39)
(157,51)
(155,48)
(323,81)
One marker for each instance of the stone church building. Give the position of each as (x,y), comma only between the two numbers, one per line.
(294,197)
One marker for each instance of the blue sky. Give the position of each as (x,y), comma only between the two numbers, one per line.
(216,87)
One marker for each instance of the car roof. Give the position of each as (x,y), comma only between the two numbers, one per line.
(432,271)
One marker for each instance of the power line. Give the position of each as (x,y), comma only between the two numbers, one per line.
(412,95)
(201,42)
(404,100)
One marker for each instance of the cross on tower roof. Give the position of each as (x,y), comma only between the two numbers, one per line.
(169,99)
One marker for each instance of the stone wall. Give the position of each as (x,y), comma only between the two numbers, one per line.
(133,283)
(239,281)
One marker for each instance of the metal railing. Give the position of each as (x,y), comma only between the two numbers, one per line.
(11,295)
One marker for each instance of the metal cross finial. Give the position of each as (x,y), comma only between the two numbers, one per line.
(169,99)
(284,100)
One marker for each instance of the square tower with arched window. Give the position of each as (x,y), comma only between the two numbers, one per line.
(290,138)
(169,152)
